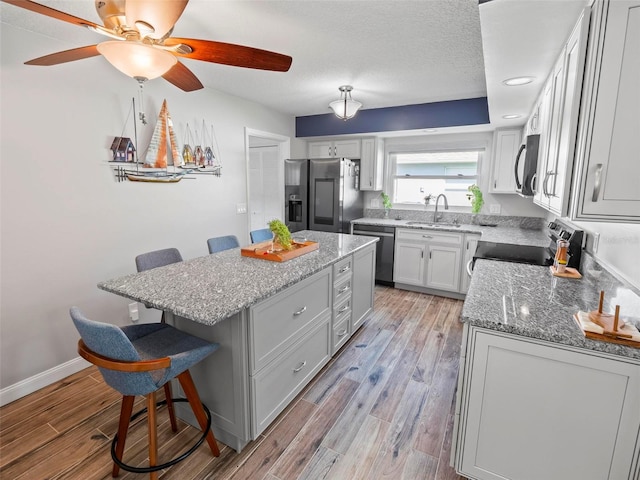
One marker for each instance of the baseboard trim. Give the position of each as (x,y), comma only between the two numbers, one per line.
(41,380)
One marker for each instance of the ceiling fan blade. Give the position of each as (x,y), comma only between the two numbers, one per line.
(183,78)
(231,54)
(65,56)
(51,12)
(161,16)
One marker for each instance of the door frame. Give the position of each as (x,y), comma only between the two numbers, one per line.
(254,138)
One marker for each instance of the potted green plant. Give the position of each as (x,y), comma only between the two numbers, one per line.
(281,233)
(476,199)
(386,203)
(427,199)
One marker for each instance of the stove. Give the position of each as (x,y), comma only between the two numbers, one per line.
(536,255)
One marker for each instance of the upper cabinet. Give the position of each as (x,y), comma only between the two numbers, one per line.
(505,148)
(339,148)
(372,164)
(607,180)
(558,110)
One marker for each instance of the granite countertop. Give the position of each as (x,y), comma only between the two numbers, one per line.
(527,300)
(211,288)
(498,234)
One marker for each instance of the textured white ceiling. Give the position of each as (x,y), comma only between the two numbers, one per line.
(394,52)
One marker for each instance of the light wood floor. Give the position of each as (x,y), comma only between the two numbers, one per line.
(382,408)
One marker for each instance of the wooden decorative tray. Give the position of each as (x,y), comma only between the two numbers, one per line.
(263,250)
(568,273)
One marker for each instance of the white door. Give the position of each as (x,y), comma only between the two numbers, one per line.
(265,199)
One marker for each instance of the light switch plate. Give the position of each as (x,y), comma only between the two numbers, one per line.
(241,208)
(494,209)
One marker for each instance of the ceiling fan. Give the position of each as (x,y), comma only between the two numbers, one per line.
(142,46)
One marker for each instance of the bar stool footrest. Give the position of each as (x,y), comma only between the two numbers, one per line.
(130,468)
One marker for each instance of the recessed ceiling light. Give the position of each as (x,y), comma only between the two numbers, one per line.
(512,116)
(516,81)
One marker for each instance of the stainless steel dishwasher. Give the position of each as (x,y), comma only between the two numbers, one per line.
(384,250)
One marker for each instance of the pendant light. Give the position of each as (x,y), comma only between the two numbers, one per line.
(346,107)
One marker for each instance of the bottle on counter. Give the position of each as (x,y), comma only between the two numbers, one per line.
(562,256)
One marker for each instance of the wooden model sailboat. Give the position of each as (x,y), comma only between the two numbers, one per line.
(157,153)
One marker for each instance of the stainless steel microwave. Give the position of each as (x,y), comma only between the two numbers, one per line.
(526,166)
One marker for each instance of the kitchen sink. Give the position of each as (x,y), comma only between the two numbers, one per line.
(429,224)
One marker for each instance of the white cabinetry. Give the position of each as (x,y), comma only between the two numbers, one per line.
(531,409)
(364,269)
(424,258)
(337,148)
(608,176)
(505,148)
(471,244)
(372,164)
(288,344)
(560,107)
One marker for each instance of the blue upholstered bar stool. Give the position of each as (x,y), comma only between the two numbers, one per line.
(261,235)
(155,259)
(139,360)
(218,244)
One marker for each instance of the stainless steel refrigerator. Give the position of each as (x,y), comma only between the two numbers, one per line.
(322,194)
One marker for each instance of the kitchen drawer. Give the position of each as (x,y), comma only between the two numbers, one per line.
(340,333)
(430,236)
(275,386)
(342,269)
(342,290)
(276,323)
(341,308)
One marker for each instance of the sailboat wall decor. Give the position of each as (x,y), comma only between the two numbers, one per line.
(157,153)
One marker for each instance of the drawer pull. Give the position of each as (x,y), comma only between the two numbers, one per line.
(297,369)
(342,332)
(343,309)
(343,289)
(300,312)
(344,269)
(427,236)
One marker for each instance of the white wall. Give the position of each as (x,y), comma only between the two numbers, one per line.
(66,224)
(618,248)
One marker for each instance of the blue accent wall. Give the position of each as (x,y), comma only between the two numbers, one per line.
(453,113)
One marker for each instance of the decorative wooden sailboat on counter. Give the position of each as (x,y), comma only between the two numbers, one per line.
(157,154)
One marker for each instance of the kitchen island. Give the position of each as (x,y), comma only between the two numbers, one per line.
(277,323)
(535,398)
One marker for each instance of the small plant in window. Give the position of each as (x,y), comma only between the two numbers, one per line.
(476,198)
(427,199)
(386,203)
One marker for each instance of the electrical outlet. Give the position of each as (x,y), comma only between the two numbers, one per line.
(596,242)
(241,208)
(134,316)
(494,209)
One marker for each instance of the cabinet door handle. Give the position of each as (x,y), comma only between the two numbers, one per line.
(343,289)
(495,184)
(344,269)
(597,182)
(342,332)
(469,267)
(344,309)
(533,183)
(544,185)
(297,369)
(329,151)
(300,312)
(427,236)
(429,254)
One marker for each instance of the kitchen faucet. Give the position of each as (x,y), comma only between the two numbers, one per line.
(446,207)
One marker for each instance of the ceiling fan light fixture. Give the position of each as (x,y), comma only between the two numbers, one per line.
(137,60)
(346,107)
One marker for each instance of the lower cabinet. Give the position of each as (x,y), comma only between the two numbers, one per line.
(428,259)
(364,269)
(528,409)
